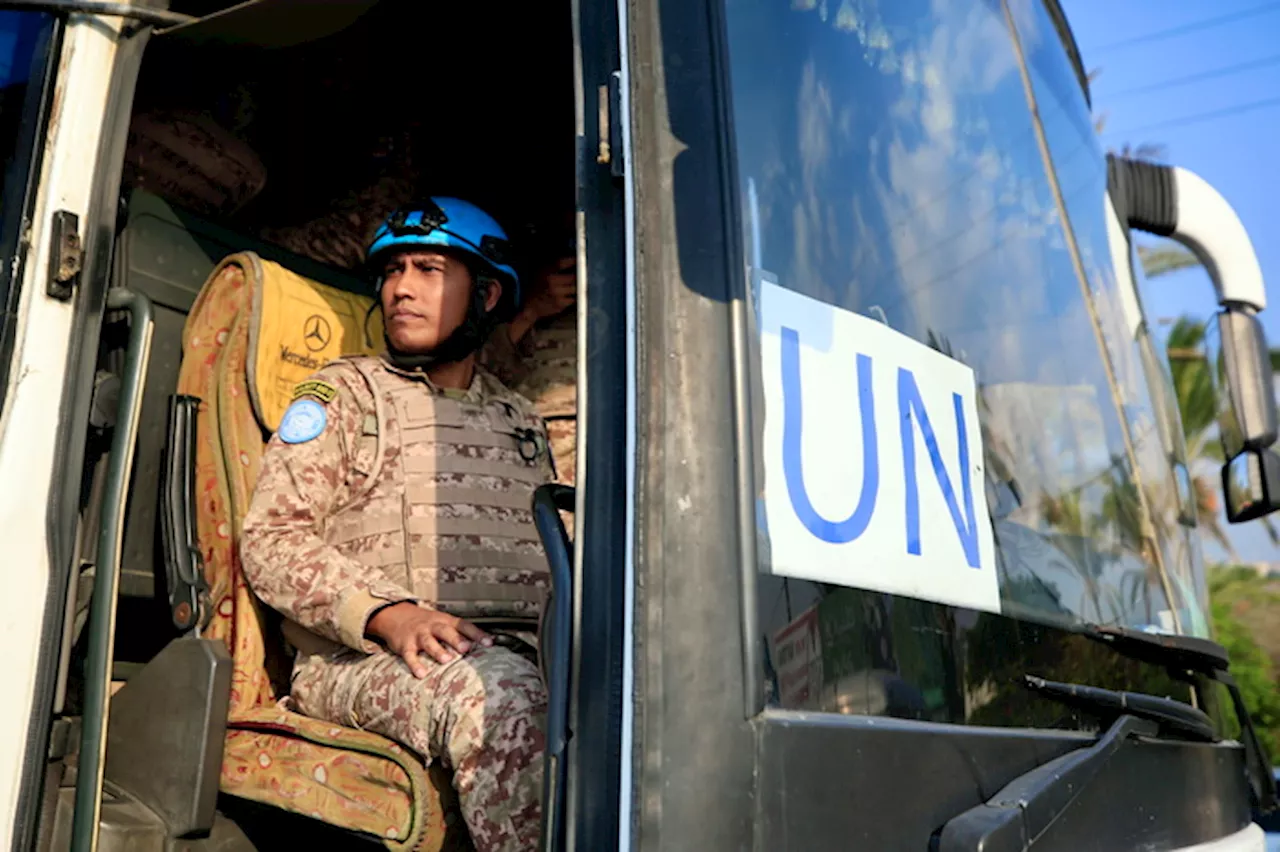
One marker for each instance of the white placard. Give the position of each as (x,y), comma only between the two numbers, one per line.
(873,457)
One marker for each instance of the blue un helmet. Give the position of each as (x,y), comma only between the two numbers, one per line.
(459,226)
(454,224)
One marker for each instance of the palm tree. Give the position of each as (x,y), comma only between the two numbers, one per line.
(1164,259)
(1194,388)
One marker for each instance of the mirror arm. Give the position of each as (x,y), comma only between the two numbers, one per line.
(1171,201)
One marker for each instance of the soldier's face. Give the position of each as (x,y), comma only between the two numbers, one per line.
(424,298)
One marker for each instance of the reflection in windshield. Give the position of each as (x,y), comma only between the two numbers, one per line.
(1151,512)
(890,166)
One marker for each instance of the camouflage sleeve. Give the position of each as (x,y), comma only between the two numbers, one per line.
(510,362)
(283,551)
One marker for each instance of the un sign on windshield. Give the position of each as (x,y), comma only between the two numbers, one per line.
(873,457)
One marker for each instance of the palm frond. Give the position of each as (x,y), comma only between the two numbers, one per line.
(1165,259)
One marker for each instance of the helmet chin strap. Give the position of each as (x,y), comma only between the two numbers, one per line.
(465,339)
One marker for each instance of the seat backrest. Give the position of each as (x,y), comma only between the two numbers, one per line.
(296,326)
(255,330)
(167,254)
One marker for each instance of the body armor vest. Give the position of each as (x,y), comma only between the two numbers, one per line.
(449,499)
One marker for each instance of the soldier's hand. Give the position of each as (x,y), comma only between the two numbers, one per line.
(409,631)
(555,289)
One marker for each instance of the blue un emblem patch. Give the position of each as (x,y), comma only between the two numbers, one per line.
(303,421)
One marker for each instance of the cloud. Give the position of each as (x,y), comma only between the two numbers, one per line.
(911,181)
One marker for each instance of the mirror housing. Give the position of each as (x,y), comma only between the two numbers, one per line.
(1251,485)
(1246,363)
(1251,474)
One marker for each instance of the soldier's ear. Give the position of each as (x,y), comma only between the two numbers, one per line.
(493,292)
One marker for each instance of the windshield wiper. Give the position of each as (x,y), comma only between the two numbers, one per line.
(1172,717)
(1016,817)
(1163,649)
(1184,656)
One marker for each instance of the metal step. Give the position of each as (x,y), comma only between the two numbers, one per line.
(127,826)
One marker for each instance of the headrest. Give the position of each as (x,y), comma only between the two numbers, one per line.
(296,327)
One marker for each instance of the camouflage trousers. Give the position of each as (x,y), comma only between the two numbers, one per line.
(482,715)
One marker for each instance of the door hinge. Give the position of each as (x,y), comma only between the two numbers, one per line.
(66,255)
(610,126)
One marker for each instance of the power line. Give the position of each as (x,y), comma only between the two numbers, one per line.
(1159,35)
(1199,117)
(1195,78)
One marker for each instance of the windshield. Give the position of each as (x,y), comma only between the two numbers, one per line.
(954,399)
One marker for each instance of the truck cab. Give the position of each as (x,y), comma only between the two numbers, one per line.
(883,530)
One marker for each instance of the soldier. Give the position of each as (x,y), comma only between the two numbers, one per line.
(392,517)
(536,354)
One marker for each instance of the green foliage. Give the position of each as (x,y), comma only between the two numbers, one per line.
(1165,259)
(1193,381)
(1233,593)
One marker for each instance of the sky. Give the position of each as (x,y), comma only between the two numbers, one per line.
(1225,127)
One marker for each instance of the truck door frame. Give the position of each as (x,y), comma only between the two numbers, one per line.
(88,190)
(595,750)
(695,754)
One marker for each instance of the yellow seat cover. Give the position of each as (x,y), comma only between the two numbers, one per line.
(297,327)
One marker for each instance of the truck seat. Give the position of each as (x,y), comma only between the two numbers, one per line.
(254,331)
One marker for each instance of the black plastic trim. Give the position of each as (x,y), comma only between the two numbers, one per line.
(1145,193)
(745,381)
(1063,27)
(90,304)
(595,751)
(555,637)
(184,565)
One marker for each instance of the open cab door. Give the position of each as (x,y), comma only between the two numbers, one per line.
(136,366)
(68,85)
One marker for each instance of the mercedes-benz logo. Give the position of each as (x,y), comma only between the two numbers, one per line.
(316,332)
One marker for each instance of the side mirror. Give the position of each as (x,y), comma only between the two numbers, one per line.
(1251,475)
(1174,202)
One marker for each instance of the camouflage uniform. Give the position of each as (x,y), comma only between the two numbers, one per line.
(543,367)
(412,494)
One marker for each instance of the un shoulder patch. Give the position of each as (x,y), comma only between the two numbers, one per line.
(302,422)
(318,388)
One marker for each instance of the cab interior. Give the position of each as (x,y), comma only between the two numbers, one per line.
(289,130)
